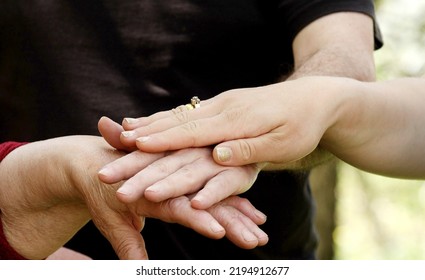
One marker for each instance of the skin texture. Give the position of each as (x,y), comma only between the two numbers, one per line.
(379,127)
(173,174)
(54,185)
(375,126)
(339,44)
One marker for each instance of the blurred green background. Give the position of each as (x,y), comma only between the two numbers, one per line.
(378,217)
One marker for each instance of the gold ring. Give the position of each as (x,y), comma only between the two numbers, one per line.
(189,106)
(195,102)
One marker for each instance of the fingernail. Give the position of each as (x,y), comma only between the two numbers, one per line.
(263,236)
(125,191)
(197,203)
(143,139)
(224,153)
(154,188)
(104,171)
(216,227)
(260,215)
(248,236)
(131,120)
(129,133)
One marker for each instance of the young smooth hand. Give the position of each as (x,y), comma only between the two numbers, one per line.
(279,123)
(374,126)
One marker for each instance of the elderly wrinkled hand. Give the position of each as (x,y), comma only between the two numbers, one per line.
(54,184)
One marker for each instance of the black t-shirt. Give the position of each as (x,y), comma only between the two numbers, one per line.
(64,64)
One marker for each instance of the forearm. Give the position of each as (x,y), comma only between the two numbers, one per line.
(339,45)
(380,127)
(326,62)
(42,186)
(32,184)
(344,48)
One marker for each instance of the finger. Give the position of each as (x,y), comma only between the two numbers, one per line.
(123,232)
(262,237)
(219,126)
(229,182)
(135,128)
(111,131)
(186,180)
(254,150)
(134,188)
(178,117)
(126,166)
(239,228)
(133,123)
(196,133)
(178,210)
(246,208)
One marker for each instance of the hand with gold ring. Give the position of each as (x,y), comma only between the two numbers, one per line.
(276,124)
(195,102)
(284,123)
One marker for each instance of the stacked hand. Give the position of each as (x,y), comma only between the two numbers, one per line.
(279,123)
(50,189)
(375,126)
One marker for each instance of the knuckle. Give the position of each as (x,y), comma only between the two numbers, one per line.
(231,218)
(225,214)
(124,246)
(188,174)
(190,126)
(160,167)
(217,185)
(178,109)
(246,149)
(173,207)
(233,114)
(190,129)
(181,114)
(242,201)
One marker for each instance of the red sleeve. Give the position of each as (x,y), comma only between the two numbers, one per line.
(7,147)
(6,251)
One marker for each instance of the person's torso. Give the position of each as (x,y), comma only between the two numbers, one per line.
(72,62)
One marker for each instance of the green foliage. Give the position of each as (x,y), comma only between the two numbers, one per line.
(378,217)
(403,27)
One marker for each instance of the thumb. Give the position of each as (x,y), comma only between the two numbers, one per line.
(111,132)
(263,148)
(126,240)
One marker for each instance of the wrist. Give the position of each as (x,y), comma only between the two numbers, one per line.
(83,169)
(36,195)
(347,113)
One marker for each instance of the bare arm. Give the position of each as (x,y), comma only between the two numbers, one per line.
(53,184)
(339,44)
(380,127)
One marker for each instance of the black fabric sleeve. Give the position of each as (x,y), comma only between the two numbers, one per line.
(297,14)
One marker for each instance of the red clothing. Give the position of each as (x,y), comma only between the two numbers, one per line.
(6,251)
